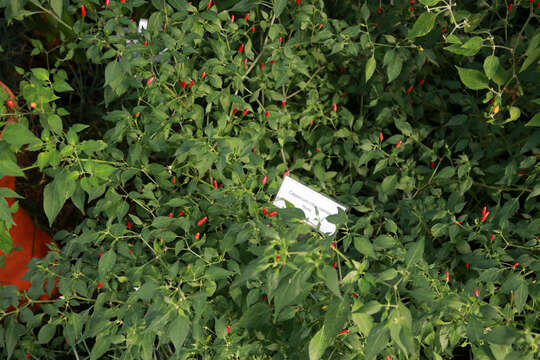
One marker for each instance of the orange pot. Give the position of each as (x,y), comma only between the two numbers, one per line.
(25,234)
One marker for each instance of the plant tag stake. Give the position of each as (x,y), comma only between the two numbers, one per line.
(315,205)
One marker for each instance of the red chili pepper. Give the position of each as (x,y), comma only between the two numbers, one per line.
(467,265)
(254,150)
(476,292)
(318,150)
(298,2)
(191,83)
(129,225)
(345,331)
(170,214)
(232,18)
(10,103)
(262,66)
(265,211)
(334,264)
(432,164)
(100,255)
(241,48)
(484,210)
(286,173)
(334,106)
(27,355)
(215,184)
(272,214)
(99,285)
(443,30)
(150,80)
(271,62)
(253,28)
(264,180)
(174,180)
(181,212)
(228,329)
(320,26)
(344,95)
(421,82)
(235,111)
(283,103)
(203,74)
(123,1)
(379,10)
(447,276)
(355,295)
(399,143)
(209,4)
(341,69)
(245,112)
(492,237)
(33,104)
(410,89)
(245,61)
(277,257)
(388,357)
(202,221)
(280,39)
(107,2)
(510,7)
(197,236)
(246,17)
(515,265)
(381,136)
(484,217)
(333,244)
(183,84)
(83,11)
(411,1)
(267,113)
(411,9)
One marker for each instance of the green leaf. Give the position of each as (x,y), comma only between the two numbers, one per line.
(9,167)
(376,341)
(103,343)
(535,121)
(394,69)
(317,345)
(46,333)
(491,64)
(364,322)
(389,183)
(473,79)
(446,173)
(106,263)
(279,6)
(62,86)
(57,7)
(520,296)
(52,202)
(364,246)
(331,279)
(415,252)
(515,112)
(364,11)
(429,2)
(502,335)
(40,74)
(423,25)
(55,123)
(18,135)
(370,67)
(179,330)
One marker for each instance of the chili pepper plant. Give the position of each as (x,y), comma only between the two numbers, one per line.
(420,116)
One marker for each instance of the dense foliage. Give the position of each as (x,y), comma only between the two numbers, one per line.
(420,116)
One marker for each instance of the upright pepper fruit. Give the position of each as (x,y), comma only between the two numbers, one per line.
(265,178)
(107,2)
(232,18)
(246,17)
(381,136)
(241,48)
(209,4)
(10,103)
(267,113)
(202,221)
(150,80)
(410,89)
(99,285)
(83,11)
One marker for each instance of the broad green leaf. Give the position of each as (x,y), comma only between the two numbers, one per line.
(331,279)
(423,25)
(18,135)
(429,2)
(515,112)
(364,11)
(376,341)
(491,64)
(415,252)
(364,322)
(317,345)
(364,246)
(55,122)
(394,68)
(535,121)
(106,263)
(279,6)
(520,296)
(57,7)
(179,330)
(40,74)
(9,168)
(370,67)
(103,343)
(502,335)
(46,333)
(473,79)
(52,202)
(389,183)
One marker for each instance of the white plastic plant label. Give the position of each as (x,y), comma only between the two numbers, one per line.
(316,206)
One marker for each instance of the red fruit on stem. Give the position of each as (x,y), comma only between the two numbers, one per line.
(345,331)
(333,244)
(203,74)
(267,113)
(341,69)
(381,136)
(272,214)
(467,265)
(150,80)
(83,11)
(209,4)
(510,7)
(447,276)
(183,84)
(262,66)
(399,143)
(280,39)
(271,62)
(10,103)
(170,214)
(318,150)
(241,48)
(334,264)
(252,28)
(432,164)
(492,237)
(283,103)
(277,257)
(379,10)
(515,265)
(246,17)
(484,210)
(421,82)
(235,111)
(99,285)
(286,173)
(191,83)
(264,180)
(245,61)
(484,217)
(228,329)
(181,212)
(174,180)
(245,112)
(129,225)
(334,106)
(100,255)
(215,184)
(197,236)
(443,30)
(410,89)
(265,211)
(297,2)
(476,292)
(254,150)
(232,18)
(355,295)
(107,2)
(202,221)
